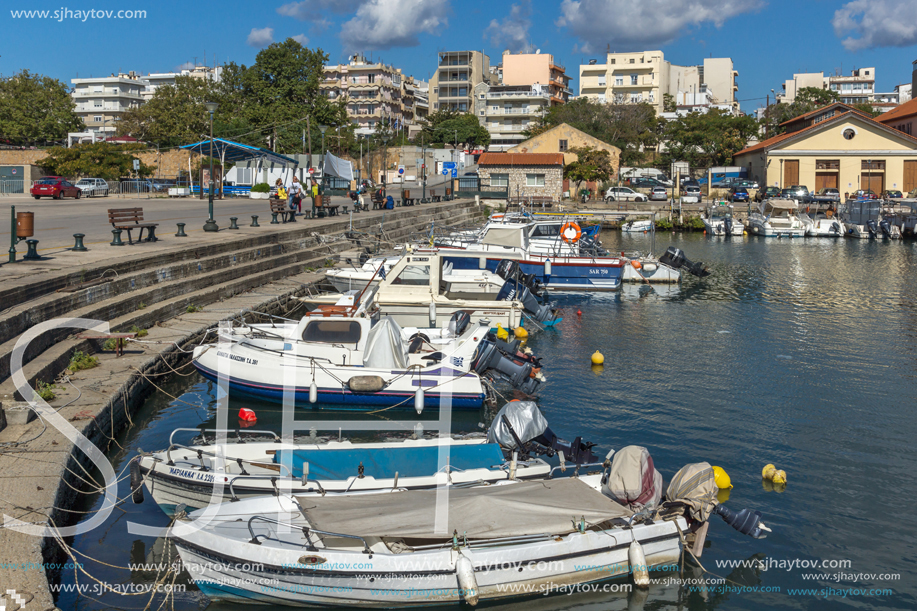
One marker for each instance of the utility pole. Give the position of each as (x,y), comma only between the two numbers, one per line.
(309,136)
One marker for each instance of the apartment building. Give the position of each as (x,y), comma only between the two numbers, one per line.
(100,102)
(457,75)
(646,76)
(529,69)
(857,88)
(508,110)
(374,91)
(155,80)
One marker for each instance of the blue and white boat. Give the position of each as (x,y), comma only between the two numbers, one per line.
(336,355)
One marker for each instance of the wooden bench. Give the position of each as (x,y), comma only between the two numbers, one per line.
(280,208)
(378,200)
(406,199)
(324,206)
(434,197)
(130,219)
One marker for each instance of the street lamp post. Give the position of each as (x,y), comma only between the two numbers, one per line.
(423,168)
(211,225)
(454,161)
(323,129)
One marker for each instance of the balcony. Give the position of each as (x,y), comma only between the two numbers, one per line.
(107,93)
(515,94)
(502,127)
(513,111)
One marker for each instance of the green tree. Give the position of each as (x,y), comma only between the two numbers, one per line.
(591,165)
(668,103)
(174,116)
(707,139)
(448,127)
(99,159)
(35,109)
(807,100)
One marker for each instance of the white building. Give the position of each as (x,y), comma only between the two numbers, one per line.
(508,110)
(101,101)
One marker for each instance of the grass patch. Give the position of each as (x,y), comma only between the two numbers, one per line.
(329,263)
(140,332)
(141,306)
(45,390)
(80,360)
(191,309)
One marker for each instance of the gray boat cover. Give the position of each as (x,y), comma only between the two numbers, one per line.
(505,236)
(695,485)
(550,506)
(633,480)
(385,347)
(524,417)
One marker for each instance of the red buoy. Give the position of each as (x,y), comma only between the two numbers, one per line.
(247,415)
(579,312)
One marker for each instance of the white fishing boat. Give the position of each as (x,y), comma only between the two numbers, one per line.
(423,547)
(643,226)
(413,293)
(822,226)
(720,220)
(860,218)
(247,463)
(335,355)
(776,218)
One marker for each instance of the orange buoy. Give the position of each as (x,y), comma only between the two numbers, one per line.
(570,232)
(636,264)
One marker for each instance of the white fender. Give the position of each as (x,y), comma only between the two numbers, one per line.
(637,561)
(418,400)
(313,392)
(432,315)
(464,571)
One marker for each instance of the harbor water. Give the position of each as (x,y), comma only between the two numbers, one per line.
(800,353)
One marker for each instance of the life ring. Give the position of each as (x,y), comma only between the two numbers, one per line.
(570,232)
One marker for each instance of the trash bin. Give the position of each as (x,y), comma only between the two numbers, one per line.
(25,224)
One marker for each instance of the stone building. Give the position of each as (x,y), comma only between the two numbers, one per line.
(524,174)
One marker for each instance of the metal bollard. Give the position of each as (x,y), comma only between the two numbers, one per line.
(116,241)
(78,245)
(32,254)
(232,222)
(254,221)
(181,231)
(274,220)
(151,235)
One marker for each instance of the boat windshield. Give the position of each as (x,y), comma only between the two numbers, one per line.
(332,332)
(545,230)
(413,275)
(720,212)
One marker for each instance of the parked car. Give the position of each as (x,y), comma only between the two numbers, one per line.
(798,192)
(163,184)
(55,187)
(623,194)
(827,195)
(738,194)
(659,194)
(725,183)
(93,186)
(748,184)
(690,194)
(644,183)
(767,193)
(864,194)
(893,194)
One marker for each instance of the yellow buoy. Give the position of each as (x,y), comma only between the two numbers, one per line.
(723,482)
(502,333)
(768,471)
(598,358)
(779,477)
(521,333)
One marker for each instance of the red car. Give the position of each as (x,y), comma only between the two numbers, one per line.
(56,187)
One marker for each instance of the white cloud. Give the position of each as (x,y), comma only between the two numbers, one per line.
(307,10)
(629,25)
(184,66)
(301,39)
(384,24)
(513,31)
(260,37)
(876,23)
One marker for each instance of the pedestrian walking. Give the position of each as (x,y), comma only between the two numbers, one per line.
(294,199)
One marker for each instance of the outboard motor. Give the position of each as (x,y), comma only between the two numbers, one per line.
(459,322)
(873,229)
(511,291)
(675,258)
(886,227)
(522,375)
(746,521)
(519,425)
(727,224)
(511,272)
(836,228)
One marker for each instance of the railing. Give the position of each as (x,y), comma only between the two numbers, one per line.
(12,186)
(516,94)
(514,111)
(106,92)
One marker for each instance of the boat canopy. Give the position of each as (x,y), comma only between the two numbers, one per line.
(781,205)
(550,506)
(384,463)
(513,237)
(385,347)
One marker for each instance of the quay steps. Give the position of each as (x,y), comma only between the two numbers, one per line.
(167,283)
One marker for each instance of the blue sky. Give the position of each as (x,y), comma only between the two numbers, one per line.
(768,40)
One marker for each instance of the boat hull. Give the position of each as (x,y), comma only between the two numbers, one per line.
(567,273)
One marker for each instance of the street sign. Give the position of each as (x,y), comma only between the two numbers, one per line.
(311,170)
(401,169)
(449,165)
(445,172)
(136,164)
(454,172)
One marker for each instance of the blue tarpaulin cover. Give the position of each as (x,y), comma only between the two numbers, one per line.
(384,462)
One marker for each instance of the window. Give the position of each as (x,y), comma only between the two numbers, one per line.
(97,118)
(332,332)
(632,60)
(562,146)
(849,133)
(435,90)
(612,61)
(619,80)
(435,105)
(499,180)
(481,113)
(827,164)
(633,79)
(482,96)
(115,90)
(636,98)
(97,103)
(868,164)
(413,275)
(534,180)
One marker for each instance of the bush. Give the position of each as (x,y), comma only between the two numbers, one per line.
(693,223)
(140,332)
(663,224)
(191,309)
(261,187)
(80,360)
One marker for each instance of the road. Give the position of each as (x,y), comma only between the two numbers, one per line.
(57,220)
